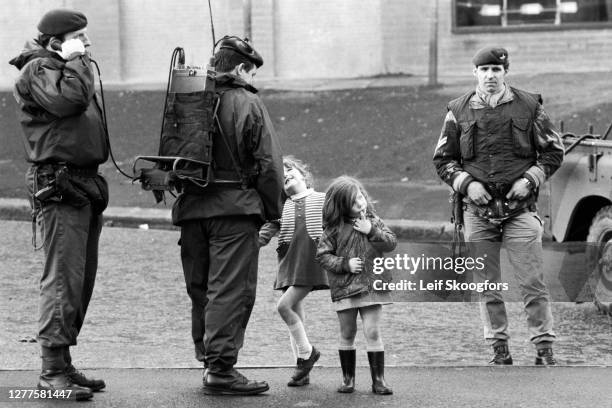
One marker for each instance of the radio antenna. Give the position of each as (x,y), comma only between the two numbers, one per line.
(212,27)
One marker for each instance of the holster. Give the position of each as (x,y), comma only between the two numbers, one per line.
(458,246)
(456,200)
(73,186)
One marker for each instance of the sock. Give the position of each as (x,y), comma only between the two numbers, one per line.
(293,346)
(301,340)
(375,345)
(346,345)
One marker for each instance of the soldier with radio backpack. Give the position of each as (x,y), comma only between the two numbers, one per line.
(496,148)
(65,142)
(220,221)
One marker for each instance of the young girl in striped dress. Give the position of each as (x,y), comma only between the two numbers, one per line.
(299,231)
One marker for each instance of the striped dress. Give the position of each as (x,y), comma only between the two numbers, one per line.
(301,227)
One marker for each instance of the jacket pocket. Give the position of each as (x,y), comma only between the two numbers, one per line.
(466,141)
(521,135)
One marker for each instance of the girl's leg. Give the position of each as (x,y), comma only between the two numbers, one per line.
(286,304)
(348,328)
(346,348)
(370,317)
(298,308)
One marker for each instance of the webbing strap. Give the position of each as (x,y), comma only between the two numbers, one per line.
(227,146)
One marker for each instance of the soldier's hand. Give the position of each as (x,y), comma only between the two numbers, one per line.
(355,265)
(72,48)
(520,189)
(477,193)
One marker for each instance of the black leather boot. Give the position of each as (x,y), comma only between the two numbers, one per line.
(51,380)
(53,376)
(545,357)
(377,369)
(502,355)
(347,362)
(78,377)
(232,383)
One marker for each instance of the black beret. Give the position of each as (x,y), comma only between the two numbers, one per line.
(61,21)
(242,47)
(491,55)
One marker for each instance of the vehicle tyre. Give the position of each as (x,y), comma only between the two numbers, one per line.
(599,259)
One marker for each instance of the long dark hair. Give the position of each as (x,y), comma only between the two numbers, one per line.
(339,199)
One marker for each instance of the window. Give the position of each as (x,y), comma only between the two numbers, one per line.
(525,13)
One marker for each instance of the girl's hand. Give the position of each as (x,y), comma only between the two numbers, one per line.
(355,265)
(362,224)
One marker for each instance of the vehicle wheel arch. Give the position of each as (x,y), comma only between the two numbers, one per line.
(582,216)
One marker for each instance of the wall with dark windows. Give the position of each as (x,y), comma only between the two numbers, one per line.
(530,13)
(540,35)
(134,39)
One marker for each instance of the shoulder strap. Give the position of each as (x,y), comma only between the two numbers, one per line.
(531,99)
(456,105)
(234,159)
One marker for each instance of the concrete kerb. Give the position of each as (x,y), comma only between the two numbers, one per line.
(415,230)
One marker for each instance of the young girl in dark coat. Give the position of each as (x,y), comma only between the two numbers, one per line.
(299,230)
(353,236)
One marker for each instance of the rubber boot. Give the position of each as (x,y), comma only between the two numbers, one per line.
(377,369)
(54,378)
(347,362)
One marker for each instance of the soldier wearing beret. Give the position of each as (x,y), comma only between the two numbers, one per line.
(64,141)
(220,222)
(497,148)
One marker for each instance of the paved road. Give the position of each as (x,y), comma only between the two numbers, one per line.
(457,387)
